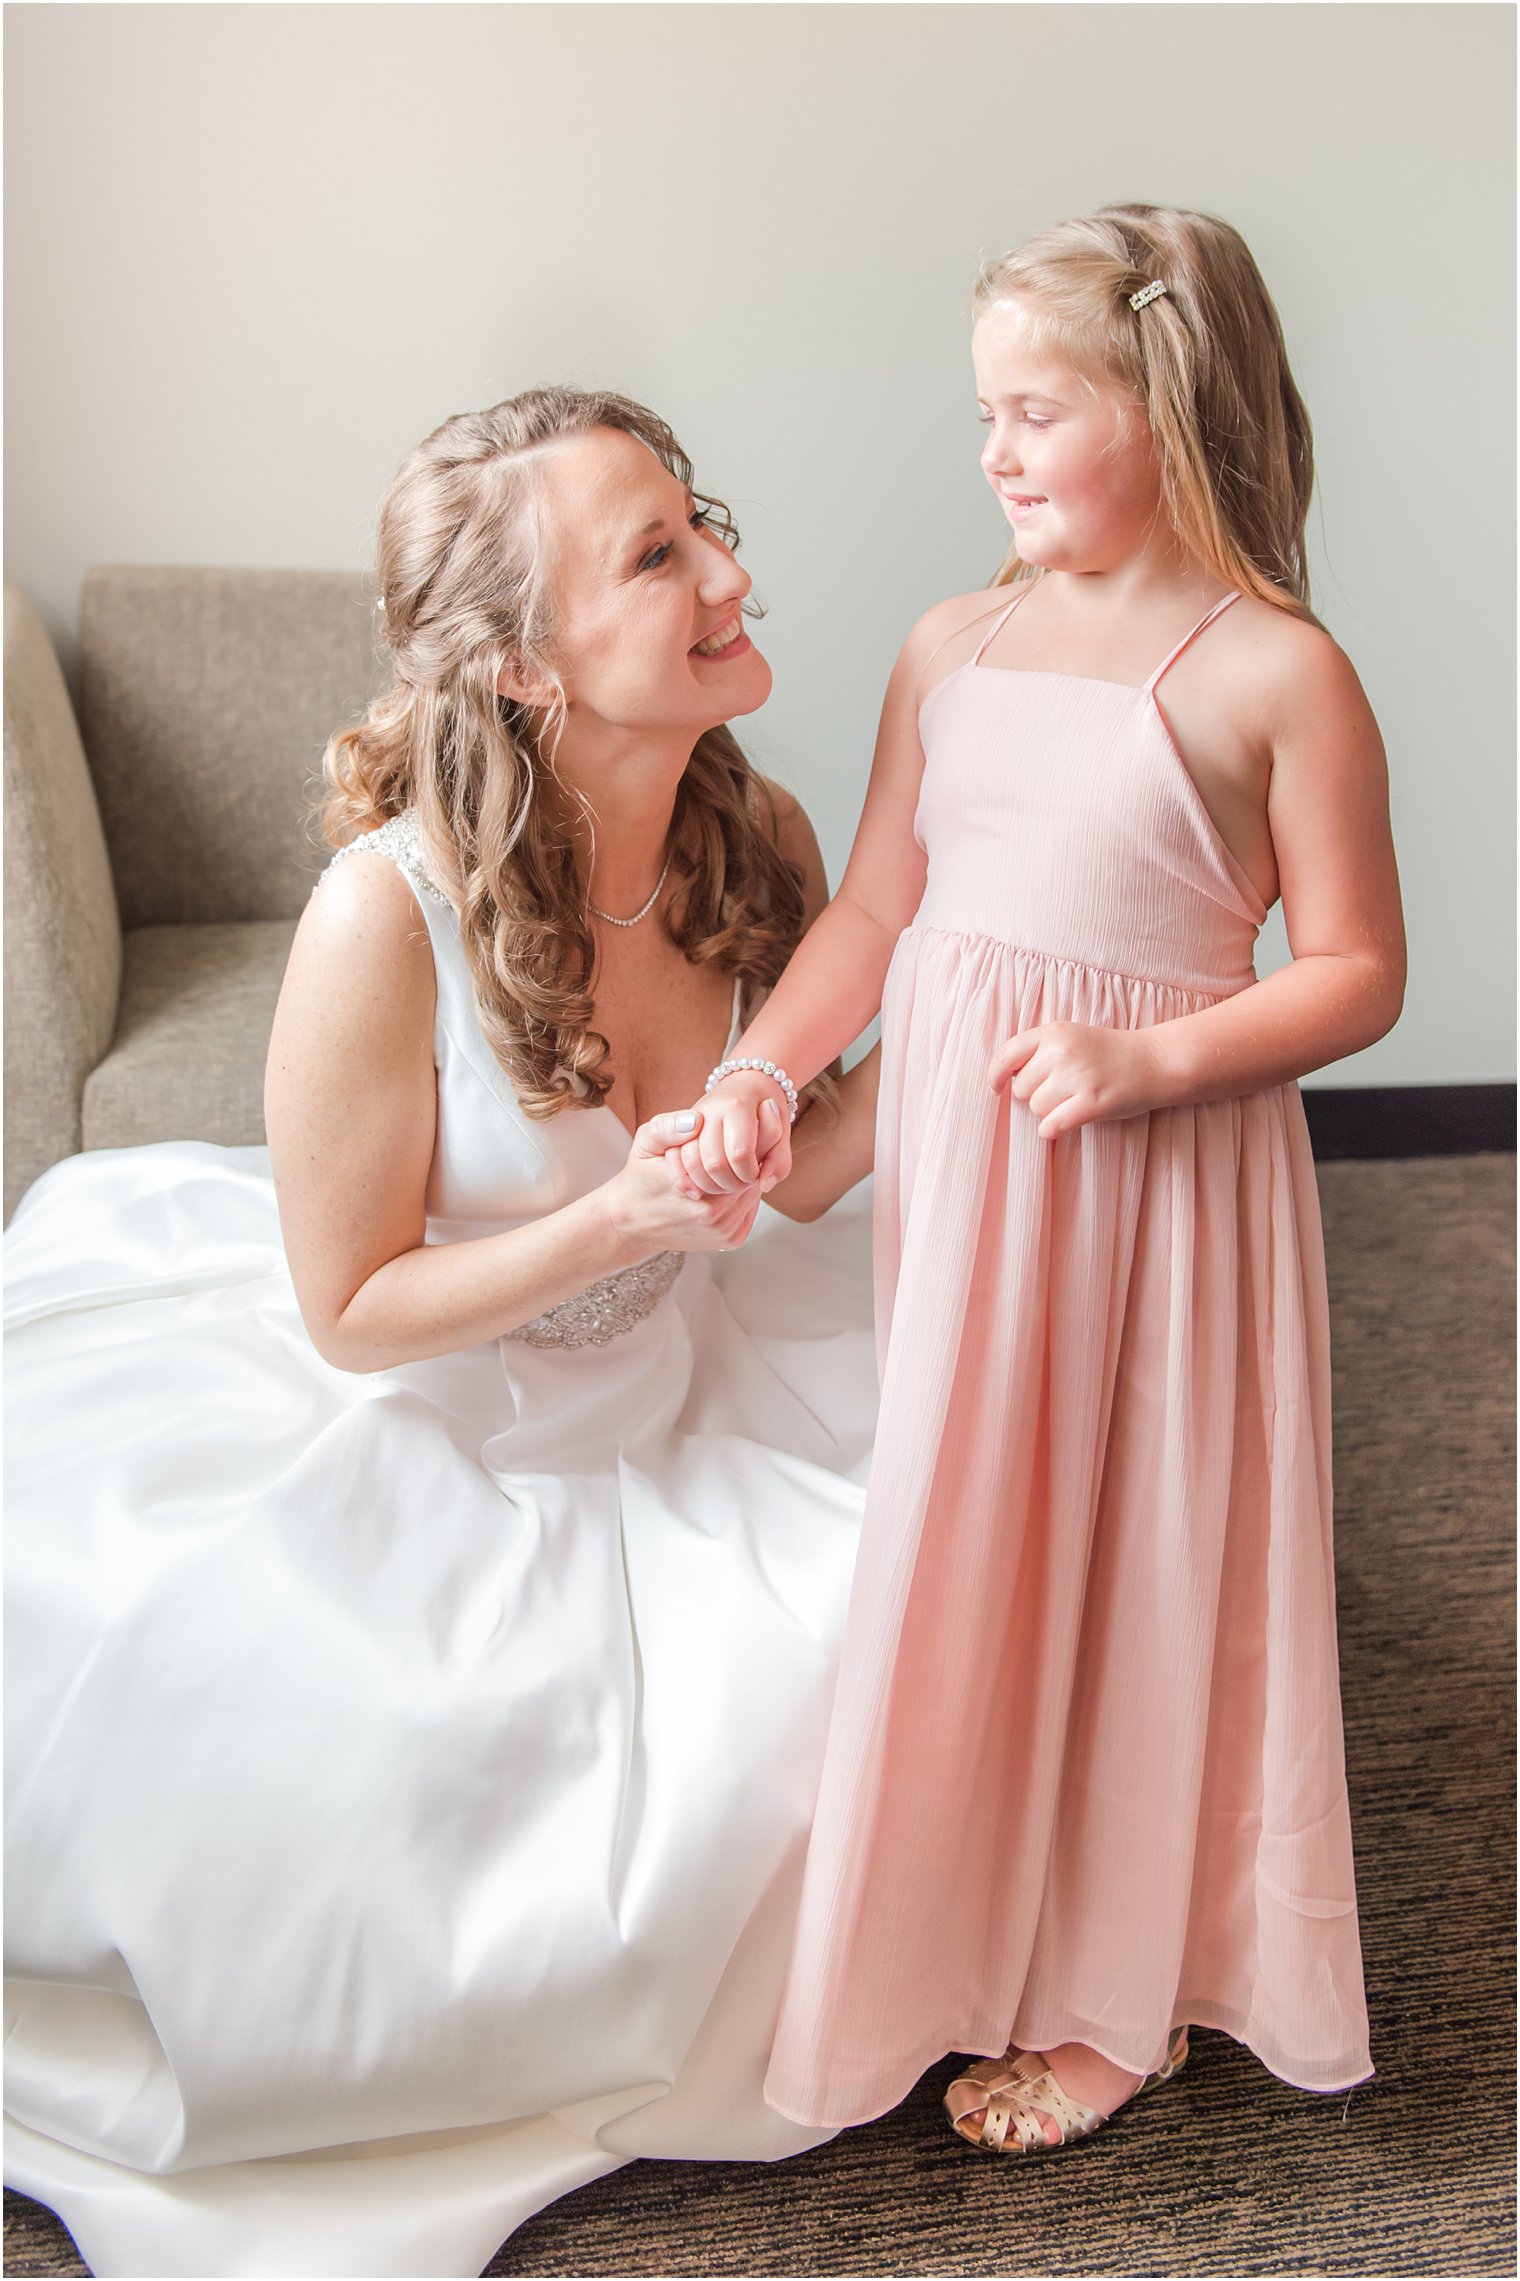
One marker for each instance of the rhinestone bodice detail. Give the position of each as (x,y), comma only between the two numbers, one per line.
(494,1167)
(605,1310)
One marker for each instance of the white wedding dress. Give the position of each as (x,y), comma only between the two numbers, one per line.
(408,1775)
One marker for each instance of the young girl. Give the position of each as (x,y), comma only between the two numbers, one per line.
(1085,1782)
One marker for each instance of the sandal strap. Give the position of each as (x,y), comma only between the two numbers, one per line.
(1043,2092)
(1021,2099)
(1176,2058)
(1027,2127)
(971,2088)
(1019,2090)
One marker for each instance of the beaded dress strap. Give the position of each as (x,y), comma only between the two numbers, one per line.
(401,840)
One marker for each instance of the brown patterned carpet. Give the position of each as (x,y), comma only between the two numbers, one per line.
(1229,2172)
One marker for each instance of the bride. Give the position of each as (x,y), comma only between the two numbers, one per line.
(421,1630)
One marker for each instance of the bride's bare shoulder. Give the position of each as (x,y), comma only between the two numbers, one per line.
(366,900)
(797,841)
(361,961)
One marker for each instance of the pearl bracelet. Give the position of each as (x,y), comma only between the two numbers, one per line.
(766,1069)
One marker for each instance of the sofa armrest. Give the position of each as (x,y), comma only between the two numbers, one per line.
(62,934)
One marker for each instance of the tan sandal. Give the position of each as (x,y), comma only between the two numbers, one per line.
(1019,2091)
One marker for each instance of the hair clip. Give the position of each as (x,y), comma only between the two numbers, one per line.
(1147,294)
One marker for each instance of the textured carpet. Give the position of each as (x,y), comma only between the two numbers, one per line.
(1228,2171)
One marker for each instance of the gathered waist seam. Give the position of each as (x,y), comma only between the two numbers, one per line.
(1077,965)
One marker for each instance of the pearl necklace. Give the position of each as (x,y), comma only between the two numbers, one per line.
(643,913)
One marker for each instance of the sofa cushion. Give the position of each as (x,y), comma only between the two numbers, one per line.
(62,940)
(188,1058)
(207,698)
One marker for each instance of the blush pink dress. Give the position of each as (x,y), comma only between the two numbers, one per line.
(1084,1778)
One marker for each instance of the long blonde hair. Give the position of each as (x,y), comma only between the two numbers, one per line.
(1207,362)
(465,590)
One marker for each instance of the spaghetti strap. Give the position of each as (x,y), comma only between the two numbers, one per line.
(1002,618)
(1206,620)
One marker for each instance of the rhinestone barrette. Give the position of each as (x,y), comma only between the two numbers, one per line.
(1147,294)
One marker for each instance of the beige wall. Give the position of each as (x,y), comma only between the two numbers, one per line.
(253,253)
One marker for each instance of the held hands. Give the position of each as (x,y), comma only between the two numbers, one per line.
(745,1138)
(652,1205)
(1074,1073)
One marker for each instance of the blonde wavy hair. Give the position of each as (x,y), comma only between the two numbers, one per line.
(464,568)
(1206,361)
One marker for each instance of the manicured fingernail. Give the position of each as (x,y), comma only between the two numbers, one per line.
(768,1183)
(686,1122)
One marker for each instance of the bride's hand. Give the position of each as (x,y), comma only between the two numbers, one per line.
(743,1138)
(652,1205)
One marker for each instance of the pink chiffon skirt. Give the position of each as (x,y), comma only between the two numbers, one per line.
(1085,1777)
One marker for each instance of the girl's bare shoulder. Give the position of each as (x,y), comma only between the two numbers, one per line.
(946,637)
(1285,662)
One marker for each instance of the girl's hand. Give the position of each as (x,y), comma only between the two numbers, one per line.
(745,1138)
(1075,1073)
(654,1208)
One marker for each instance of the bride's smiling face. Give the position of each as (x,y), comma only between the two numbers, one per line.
(648,597)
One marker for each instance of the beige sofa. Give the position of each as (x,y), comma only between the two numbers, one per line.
(159,848)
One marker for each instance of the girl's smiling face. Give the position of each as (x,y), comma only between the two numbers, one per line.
(651,639)
(1072,460)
